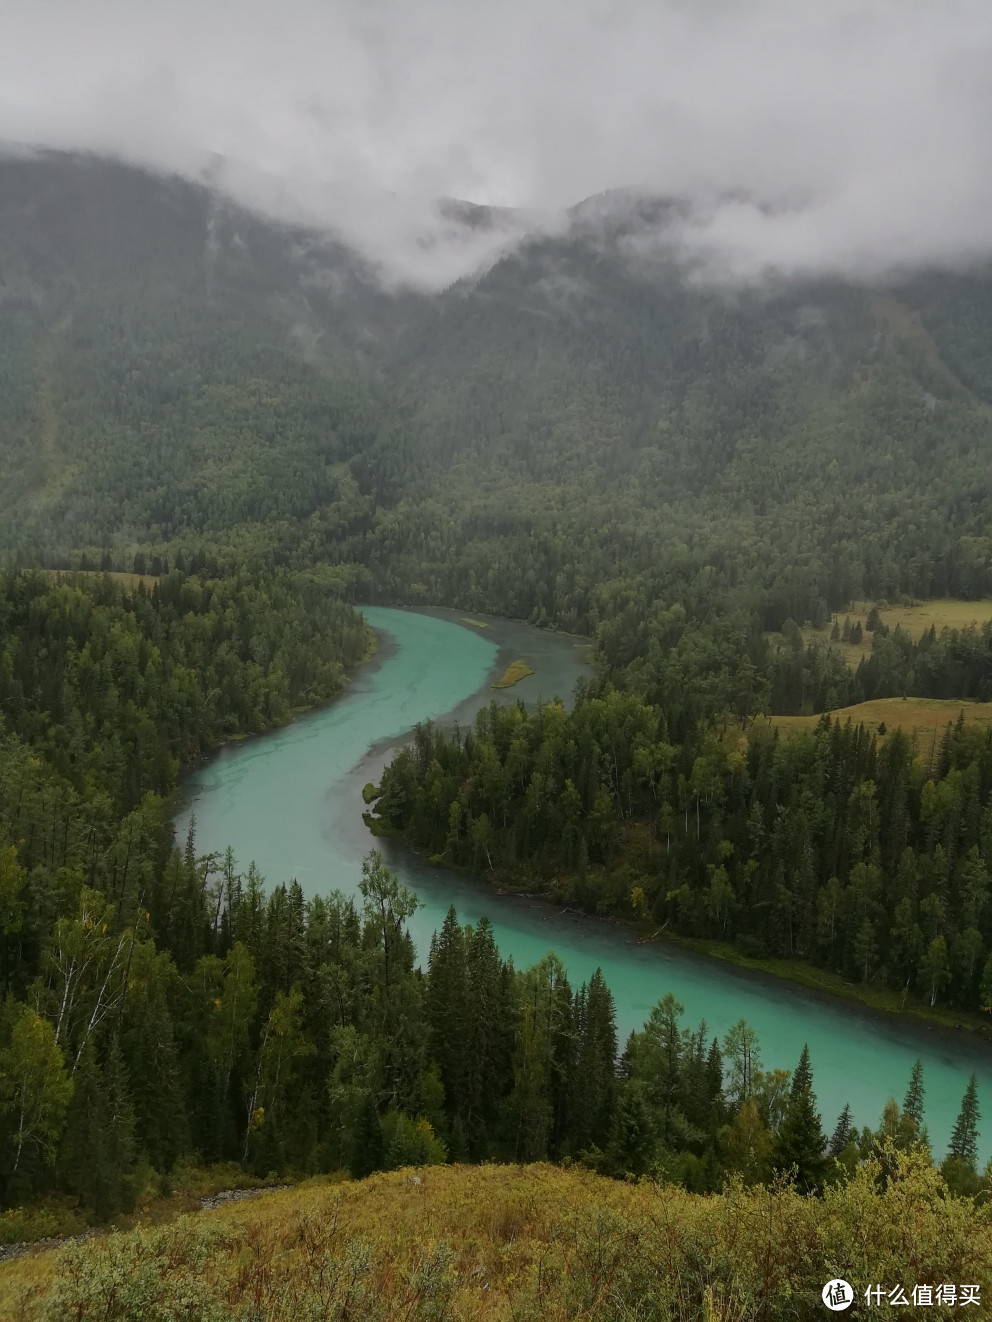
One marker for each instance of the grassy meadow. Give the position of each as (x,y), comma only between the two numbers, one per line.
(129,581)
(920,716)
(495,1243)
(915,620)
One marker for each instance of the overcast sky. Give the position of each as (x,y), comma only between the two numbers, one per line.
(854,136)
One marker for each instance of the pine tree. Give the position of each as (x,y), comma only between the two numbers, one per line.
(800,1141)
(740,1049)
(489,1054)
(714,1081)
(985,991)
(446,1008)
(529,1105)
(188,919)
(633,1133)
(97,1155)
(591,1103)
(546,988)
(934,972)
(865,949)
(913,1104)
(118,1140)
(366,1147)
(842,1133)
(964,1135)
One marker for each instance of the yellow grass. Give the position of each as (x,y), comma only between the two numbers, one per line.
(912,714)
(915,620)
(943,612)
(494,1243)
(476,624)
(513,674)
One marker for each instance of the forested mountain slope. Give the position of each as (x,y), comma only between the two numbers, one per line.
(178,373)
(170,365)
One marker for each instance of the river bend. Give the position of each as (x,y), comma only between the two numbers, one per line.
(291,800)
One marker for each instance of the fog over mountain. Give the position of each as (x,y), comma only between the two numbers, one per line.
(850,137)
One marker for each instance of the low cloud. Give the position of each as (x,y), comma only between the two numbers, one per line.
(843,137)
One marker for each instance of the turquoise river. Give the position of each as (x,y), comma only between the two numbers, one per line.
(291,800)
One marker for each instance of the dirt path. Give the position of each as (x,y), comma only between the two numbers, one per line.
(208,1204)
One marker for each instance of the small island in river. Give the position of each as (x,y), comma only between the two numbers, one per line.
(513,674)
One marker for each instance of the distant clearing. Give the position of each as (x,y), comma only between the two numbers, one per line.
(942,612)
(127,580)
(915,620)
(513,674)
(912,714)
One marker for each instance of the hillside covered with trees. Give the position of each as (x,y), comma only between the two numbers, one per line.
(569,431)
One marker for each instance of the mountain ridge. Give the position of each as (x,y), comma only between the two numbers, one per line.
(221,372)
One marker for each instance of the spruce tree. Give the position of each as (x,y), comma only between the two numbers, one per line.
(912,1106)
(489,1056)
(964,1135)
(633,1133)
(842,1132)
(97,1156)
(365,1153)
(985,990)
(446,1007)
(714,1083)
(800,1141)
(591,1103)
(82,1164)
(118,1139)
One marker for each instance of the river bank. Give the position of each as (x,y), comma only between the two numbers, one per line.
(376,651)
(885,1000)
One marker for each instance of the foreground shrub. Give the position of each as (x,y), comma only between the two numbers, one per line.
(479,1244)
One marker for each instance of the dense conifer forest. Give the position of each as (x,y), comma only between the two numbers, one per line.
(210,450)
(829,845)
